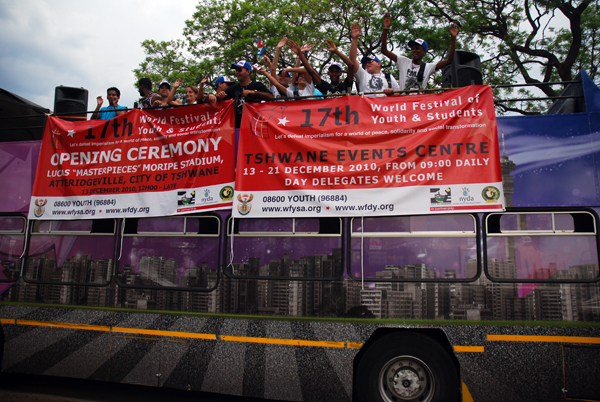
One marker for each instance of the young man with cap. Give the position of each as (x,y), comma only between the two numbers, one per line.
(112,110)
(164,89)
(245,89)
(222,83)
(334,71)
(414,73)
(370,78)
(284,78)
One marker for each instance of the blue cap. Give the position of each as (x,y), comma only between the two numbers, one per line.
(418,42)
(222,79)
(367,58)
(242,63)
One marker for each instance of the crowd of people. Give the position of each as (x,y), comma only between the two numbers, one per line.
(302,80)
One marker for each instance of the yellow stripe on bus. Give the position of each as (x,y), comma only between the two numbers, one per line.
(473,349)
(275,341)
(542,338)
(7,321)
(64,325)
(163,333)
(466,394)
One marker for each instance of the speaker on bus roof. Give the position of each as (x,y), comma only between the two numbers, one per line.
(71,103)
(464,70)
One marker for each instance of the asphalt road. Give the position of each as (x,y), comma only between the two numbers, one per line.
(31,388)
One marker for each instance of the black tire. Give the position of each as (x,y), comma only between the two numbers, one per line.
(406,366)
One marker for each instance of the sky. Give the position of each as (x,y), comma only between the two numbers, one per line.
(94,45)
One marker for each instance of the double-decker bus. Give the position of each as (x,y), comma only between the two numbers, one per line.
(461,306)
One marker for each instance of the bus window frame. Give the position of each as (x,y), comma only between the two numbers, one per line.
(227,248)
(476,234)
(23,232)
(182,234)
(516,233)
(34,222)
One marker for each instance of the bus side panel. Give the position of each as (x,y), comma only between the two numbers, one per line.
(555,158)
(258,358)
(273,359)
(18,162)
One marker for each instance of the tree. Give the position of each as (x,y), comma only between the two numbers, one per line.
(222,32)
(518,40)
(527,40)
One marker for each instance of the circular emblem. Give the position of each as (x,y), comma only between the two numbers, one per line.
(490,194)
(226,193)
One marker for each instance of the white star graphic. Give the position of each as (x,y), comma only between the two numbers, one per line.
(283,121)
(70,133)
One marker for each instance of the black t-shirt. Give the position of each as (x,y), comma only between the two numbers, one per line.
(341,88)
(238,89)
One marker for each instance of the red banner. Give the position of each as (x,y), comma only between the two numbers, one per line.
(354,156)
(142,163)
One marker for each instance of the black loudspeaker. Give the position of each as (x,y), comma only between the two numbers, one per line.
(71,103)
(464,70)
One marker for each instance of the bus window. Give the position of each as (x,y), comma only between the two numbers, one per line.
(541,247)
(71,253)
(285,248)
(414,248)
(12,243)
(170,253)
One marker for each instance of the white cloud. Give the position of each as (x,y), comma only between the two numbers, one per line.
(94,45)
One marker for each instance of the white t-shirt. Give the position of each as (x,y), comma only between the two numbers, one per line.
(373,82)
(308,90)
(275,91)
(409,72)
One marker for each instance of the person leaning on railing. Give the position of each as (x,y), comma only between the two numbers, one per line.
(112,110)
(244,90)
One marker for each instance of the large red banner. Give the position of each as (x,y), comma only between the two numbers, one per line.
(354,156)
(142,163)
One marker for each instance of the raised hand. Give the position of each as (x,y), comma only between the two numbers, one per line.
(177,83)
(355,31)
(282,42)
(294,47)
(307,47)
(330,45)
(454,29)
(100,100)
(387,20)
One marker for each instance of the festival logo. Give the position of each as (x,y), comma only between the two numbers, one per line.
(260,121)
(207,199)
(185,200)
(39,209)
(490,194)
(465,196)
(245,205)
(57,133)
(440,197)
(226,193)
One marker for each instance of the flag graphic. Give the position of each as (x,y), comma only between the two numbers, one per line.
(261,47)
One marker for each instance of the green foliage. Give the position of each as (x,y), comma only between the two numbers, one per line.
(532,41)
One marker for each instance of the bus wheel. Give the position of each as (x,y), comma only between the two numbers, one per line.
(406,367)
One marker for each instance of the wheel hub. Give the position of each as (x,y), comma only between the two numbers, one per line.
(406,383)
(406,378)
